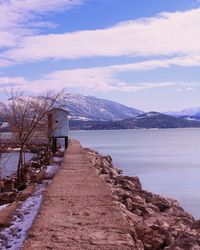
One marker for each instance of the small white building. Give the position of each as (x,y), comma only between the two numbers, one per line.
(58,125)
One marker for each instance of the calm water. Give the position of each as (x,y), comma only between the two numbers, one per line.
(167,161)
(9,163)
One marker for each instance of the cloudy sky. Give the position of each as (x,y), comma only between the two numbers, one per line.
(144,54)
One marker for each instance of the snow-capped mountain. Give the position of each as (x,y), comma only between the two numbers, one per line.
(91,108)
(185,112)
(88,108)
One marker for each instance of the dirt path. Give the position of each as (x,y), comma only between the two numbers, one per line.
(79,211)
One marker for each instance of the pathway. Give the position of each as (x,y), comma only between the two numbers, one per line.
(79,211)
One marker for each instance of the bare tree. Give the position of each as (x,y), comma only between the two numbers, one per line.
(25,115)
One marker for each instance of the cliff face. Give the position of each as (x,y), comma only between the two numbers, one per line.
(157,222)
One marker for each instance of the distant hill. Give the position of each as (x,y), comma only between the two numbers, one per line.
(88,112)
(192,117)
(197,116)
(191,112)
(88,108)
(147,120)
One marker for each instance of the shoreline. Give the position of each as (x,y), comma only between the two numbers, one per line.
(159,222)
(167,161)
(125,129)
(154,222)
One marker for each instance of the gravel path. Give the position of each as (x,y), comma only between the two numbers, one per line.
(79,211)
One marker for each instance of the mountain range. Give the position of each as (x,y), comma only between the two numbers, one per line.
(191,112)
(144,121)
(91,108)
(88,112)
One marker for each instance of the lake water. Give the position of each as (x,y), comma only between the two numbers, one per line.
(9,163)
(167,161)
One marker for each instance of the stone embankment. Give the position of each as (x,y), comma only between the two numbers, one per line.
(91,205)
(157,222)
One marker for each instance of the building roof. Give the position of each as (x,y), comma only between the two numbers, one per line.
(58,109)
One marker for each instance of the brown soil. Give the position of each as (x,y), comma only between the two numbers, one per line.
(6,214)
(79,211)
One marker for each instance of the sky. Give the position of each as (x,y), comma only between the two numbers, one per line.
(144,54)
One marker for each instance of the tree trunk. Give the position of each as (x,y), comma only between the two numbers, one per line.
(20,166)
(21,184)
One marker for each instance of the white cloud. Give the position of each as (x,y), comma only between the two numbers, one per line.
(5,62)
(165,34)
(186,89)
(19,18)
(104,79)
(12,81)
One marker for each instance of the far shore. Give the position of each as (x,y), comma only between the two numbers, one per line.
(193,128)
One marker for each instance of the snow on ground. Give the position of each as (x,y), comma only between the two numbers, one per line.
(3,206)
(13,237)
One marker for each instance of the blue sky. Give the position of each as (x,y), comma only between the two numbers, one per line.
(144,54)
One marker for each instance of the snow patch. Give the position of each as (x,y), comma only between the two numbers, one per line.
(147,115)
(3,206)
(13,237)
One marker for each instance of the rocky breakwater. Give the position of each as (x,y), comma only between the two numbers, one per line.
(156,222)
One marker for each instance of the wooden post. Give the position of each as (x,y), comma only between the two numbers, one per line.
(54,145)
(66,142)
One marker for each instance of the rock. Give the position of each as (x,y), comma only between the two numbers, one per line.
(59,154)
(6,215)
(196,224)
(8,185)
(1,186)
(33,178)
(136,207)
(37,177)
(156,222)
(161,203)
(108,158)
(140,200)
(7,197)
(125,183)
(119,171)
(169,238)
(151,239)
(105,171)
(26,193)
(41,176)
(154,208)
(21,186)
(35,164)
(35,158)
(185,241)
(121,194)
(136,181)
(113,173)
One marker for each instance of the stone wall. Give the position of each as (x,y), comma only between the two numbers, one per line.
(157,222)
